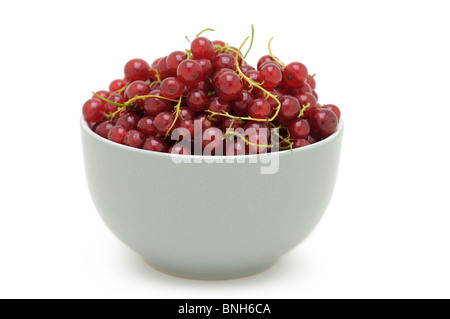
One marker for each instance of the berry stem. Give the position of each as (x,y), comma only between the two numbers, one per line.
(273,57)
(207,29)
(158,76)
(251,42)
(302,111)
(177,113)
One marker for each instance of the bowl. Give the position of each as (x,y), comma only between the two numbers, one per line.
(210,217)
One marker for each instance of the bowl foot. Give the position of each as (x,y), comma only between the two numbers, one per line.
(208,275)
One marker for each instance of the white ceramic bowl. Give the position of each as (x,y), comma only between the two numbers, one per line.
(209,220)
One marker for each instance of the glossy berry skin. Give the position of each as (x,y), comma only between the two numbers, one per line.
(300,143)
(313,92)
(171,88)
(205,121)
(323,123)
(219,73)
(117,134)
(189,72)
(258,94)
(93,110)
(271,75)
(333,108)
(212,142)
(117,85)
(162,122)
(154,105)
(298,129)
(145,125)
(156,144)
(103,128)
(134,139)
(311,82)
(180,149)
(259,109)
(252,75)
(264,59)
(305,99)
(128,121)
(104,94)
(196,100)
(207,68)
(228,86)
(202,48)
(289,109)
(115,97)
(240,104)
(137,88)
(218,105)
(188,125)
(304,88)
(295,74)
(246,67)
(173,60)
(137,70)
(224,61)
(162,68)
(186,113)
(256,125)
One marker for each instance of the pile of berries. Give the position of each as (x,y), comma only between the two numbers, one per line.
(208,98)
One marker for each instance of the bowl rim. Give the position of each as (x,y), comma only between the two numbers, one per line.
(85,128)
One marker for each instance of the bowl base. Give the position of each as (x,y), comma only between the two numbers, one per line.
(213,276)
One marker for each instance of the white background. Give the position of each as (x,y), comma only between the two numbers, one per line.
(386,233)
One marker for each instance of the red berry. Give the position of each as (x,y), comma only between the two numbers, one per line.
(128,121)
(93,110)
(218,105)
(224,61)
(218,43)
(236,147)
(202,48)
(298,128)
(264,59)
(300,143)
(256,125)
(259,109)
(137,69)
(228,86)
(189,126)
(304,88)
(295,74)
(323,123)
(171,88)
(207,68)
(313,92)
(137,88)
(117,85)
(206,121)
(252,75)
(103,128)
(134,139)
(333,108)
(196,100)
(305,99)
(173,60)
(162,68)
(230,123)
(115,97)
(154,105)
(186,113)
(261,95)
(271,74)
(117,134)
(246,67)
(212,142)
(145,125)
(240,104)
(258,142)
(156,144)
(311,82)
(104,94)
(189,72)
(289,109)
(163,121)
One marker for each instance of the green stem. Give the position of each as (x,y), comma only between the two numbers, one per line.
(251,42)
(177,113)
(207,29)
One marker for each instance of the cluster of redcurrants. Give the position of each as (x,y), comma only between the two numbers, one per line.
(213,86)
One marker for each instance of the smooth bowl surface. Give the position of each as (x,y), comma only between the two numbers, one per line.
(210,220)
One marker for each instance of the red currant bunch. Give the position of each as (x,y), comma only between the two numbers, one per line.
(209,98)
